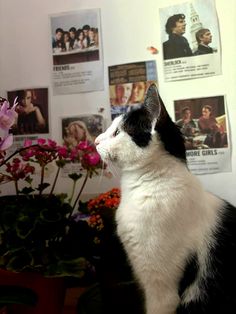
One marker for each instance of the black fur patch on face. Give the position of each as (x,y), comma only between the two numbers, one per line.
(138,124)
(171,137)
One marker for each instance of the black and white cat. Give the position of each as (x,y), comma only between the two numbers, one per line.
(180,239)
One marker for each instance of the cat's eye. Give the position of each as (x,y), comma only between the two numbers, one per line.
(117,131)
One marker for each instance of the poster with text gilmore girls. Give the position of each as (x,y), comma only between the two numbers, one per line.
(204,124)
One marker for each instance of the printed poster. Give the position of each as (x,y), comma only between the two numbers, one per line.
(32,121)
(204,124)
(76,52)
(128,84)
(80,128)
(190,39)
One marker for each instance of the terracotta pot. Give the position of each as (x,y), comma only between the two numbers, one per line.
(50,292)
(3,310)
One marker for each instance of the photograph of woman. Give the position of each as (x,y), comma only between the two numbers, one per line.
(81,128)
(32,111)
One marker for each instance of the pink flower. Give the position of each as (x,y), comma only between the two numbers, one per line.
(7,115)
(41,141)
(91,159)
(27,143)
(62,151)
(84,145)
(52,144)
(6,142)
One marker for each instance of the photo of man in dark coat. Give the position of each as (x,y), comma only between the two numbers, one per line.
(204,38)
(177,45)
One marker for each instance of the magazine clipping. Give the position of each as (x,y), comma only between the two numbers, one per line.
(204,125)
(32,121)
(190,40)
(76,52)
(128,84)
(79,128)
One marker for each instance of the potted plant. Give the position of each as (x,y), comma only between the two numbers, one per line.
(38,227)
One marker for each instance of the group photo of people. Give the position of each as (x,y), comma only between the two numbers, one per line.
(189,30)
(202,122)
(124,96)
(32,111)
(83,37)
(75,37)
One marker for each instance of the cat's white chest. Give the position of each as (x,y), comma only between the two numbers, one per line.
(139,230)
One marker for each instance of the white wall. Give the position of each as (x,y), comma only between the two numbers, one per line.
(128,28)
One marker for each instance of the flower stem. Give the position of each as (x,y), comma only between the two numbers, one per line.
(16,187)
(81,190)
(55,180)
(73,191)
(42,178)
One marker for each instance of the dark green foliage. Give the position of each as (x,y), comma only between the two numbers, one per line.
(34,235)
(17,295)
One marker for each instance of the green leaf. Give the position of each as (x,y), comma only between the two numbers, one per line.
(24,227)
(28,179)
(43,186)
(10,294)
(19,260)
(75,267)
(61,163)
(74,176)
(27,190)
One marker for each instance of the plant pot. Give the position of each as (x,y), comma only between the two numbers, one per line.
(3,310)
(50,292)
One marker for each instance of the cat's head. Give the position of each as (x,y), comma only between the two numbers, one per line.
(147,132)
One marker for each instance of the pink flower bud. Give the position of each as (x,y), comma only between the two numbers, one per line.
(41,141)
(91,159)
(27,142)
(84,145)
(62,151)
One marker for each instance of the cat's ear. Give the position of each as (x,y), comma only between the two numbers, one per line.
(154,104)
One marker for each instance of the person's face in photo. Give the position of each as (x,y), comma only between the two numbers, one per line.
(123,93)
(138,92)
(72,35)
(180,27)
(91,35)
(66,37)
(206,113)
(77,132)
(206,38)
(187,114)
(85,31)
(59,36)
(27,99)
(81,36)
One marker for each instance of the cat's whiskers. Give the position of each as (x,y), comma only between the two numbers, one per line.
(102,172)
(112,169)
